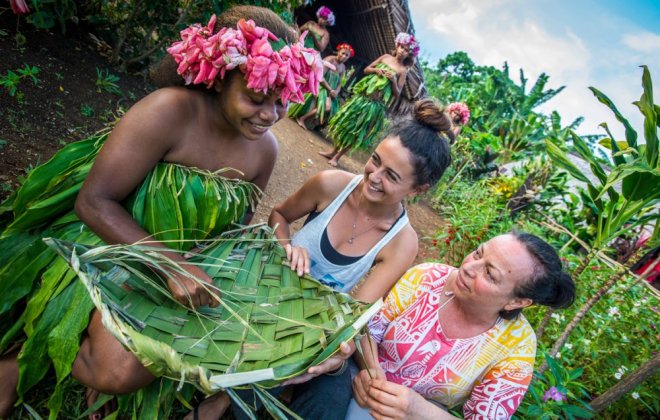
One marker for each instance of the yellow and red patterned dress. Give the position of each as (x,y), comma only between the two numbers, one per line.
(488,374)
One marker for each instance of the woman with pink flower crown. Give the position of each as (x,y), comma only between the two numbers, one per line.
(360,121)
(318,36)
(459,113)
(243,68)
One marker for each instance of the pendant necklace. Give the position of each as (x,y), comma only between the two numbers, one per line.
(354,235)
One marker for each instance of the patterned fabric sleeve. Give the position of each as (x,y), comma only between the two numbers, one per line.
(501,390)
(414,282)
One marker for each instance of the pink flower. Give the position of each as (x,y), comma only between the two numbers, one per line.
(253,32)
(324,12)
(409,41)
(202,55)
(19,7)
(461,109)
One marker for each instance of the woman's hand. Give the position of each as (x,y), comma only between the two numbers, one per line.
(298,258)
(192,292)
(386,399)
(362,383)
(333,364)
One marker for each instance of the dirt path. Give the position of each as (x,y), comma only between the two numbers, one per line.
(298,160)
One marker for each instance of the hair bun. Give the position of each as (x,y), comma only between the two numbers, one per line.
(429,112)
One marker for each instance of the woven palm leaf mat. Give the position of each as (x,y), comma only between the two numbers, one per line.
(271,325)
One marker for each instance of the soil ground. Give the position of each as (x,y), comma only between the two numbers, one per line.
(67,105)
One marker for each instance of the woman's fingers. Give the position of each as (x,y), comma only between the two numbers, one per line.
(299,260)
(287,248)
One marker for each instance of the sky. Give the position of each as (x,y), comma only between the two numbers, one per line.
(578,43)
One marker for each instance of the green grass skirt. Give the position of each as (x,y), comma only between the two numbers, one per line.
(358,124)
(311,101)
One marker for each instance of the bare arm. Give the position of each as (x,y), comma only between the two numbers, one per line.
(322,44)
(391,263)
(398,81)
(146,134)
(387,400)
(317,191)
(371,68)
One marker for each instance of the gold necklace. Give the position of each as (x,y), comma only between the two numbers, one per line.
(354,235)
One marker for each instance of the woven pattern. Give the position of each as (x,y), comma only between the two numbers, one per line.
(271,324)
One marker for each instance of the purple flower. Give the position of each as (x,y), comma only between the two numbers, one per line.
(554,394)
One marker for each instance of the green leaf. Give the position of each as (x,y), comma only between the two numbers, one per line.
(641,185)
(560,159)
(607,143)
(631,134)
(584,151)
(555,369)
(648,109)
(577,411)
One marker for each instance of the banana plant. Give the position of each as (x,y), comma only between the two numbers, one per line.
(635,168)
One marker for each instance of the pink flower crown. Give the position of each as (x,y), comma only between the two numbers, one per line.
(461,109)
(325,13)
(409,41)
(291,71)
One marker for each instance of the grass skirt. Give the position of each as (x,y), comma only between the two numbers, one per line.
(311,101)
(358,124)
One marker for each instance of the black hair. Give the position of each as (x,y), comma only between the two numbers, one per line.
(425,136)
(549,285)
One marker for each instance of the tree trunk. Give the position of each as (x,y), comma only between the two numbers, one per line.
(544,323)
(626,385)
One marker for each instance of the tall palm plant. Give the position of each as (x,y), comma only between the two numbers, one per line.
(636,170)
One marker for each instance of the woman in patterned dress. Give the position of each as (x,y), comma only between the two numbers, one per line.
(448,337)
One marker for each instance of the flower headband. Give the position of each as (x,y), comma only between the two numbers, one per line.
(291,71)
(325,13)
(409,41)
(462,110)
(345,46)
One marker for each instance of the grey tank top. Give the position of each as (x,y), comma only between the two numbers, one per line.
(340,277)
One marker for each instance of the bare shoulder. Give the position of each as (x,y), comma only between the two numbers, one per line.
(164,108)
(329,183)
(404,245)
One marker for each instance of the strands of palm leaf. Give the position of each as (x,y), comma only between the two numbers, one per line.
(271,325)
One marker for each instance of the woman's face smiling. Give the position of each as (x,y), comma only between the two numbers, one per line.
(389,173)
(250,113)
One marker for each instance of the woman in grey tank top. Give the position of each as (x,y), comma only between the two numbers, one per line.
(357,237)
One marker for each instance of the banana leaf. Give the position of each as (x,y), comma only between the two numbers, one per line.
(271,325)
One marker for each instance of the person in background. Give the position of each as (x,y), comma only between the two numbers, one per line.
(326,104)
(459,113)
(318,36)
(360,121)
